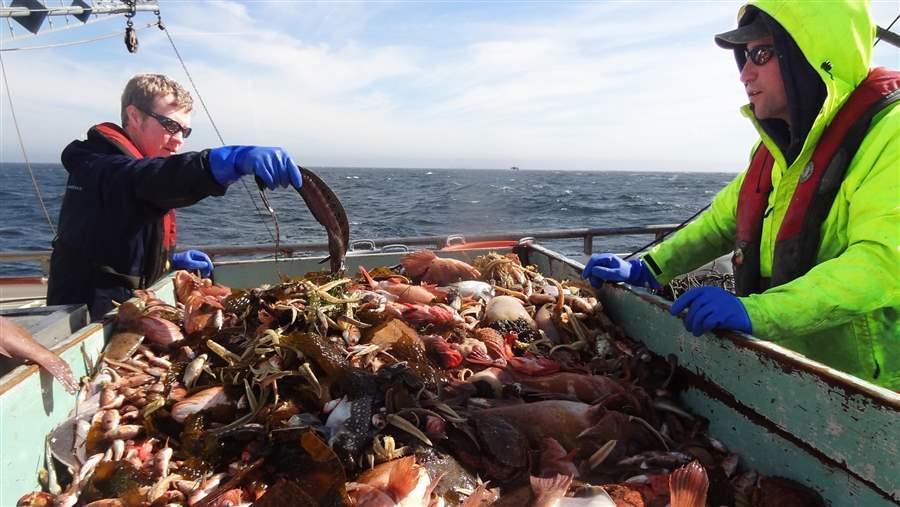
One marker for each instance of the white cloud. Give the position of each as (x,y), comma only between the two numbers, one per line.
(627,85)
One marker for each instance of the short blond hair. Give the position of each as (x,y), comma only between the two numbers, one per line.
(142,89)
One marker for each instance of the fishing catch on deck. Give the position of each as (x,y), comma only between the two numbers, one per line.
(439,383)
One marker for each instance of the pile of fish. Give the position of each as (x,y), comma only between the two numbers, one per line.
(434,383)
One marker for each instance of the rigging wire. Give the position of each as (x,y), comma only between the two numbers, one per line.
(276,236)
(22,145)
(887,29)
(666,234)
(61,4)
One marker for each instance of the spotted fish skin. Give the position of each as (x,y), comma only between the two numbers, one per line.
(328,211)
(360,388)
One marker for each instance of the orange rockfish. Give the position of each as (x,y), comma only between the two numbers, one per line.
(397,483)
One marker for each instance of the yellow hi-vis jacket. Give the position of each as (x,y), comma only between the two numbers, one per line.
(844,312)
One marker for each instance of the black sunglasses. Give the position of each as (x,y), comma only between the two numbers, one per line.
(759,55)
(171,126)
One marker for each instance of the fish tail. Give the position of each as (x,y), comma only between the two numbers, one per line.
(688,486)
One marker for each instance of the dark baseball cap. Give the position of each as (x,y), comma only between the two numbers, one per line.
(753,28)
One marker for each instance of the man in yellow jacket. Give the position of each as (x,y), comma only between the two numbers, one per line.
(814,222)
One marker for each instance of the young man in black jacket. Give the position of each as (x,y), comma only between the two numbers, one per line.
(117,221)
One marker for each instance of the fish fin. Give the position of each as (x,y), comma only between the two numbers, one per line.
(368,277)
(440,292)
(688,486)
(365,494)
(475,499)
(551,487)
(596,412)
(404,477)
(433,486)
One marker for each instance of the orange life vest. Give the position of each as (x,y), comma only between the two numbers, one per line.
(158,261)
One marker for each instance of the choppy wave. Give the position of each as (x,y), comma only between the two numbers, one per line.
(397,202)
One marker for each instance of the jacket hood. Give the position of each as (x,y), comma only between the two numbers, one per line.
(835,39)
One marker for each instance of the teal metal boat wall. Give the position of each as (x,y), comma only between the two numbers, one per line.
(783,414)
(32,404)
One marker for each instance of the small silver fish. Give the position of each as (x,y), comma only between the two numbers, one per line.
(472,288)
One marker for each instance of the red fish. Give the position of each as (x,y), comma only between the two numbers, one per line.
(499,347)
(559,419)
(160,331)
(419,315)
(530,364)
(428,267)
(443,353)
(405,293)
(199,401)
(475,352)
(582,387)
(556,460)
(203,313)
(400,483)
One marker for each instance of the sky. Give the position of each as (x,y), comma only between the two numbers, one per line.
(456,84)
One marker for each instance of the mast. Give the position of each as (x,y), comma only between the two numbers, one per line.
(32,13)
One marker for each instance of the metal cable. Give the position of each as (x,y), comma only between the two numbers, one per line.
(892,22)
(277,235)
(61,4)
(12,111)
(664,235)
(888,29)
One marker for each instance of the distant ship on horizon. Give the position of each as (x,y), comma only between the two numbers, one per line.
(514,168)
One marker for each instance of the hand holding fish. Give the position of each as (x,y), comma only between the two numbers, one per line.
(272,166)
(17,343)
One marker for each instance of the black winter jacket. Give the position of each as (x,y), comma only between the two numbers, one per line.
(110,223)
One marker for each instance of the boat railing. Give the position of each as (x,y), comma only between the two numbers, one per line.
(587,236)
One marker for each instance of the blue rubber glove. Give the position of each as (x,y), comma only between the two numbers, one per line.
(712,308)
(607,267)
(193,260)
(273,166)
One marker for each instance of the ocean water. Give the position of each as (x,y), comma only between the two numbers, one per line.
(384,203)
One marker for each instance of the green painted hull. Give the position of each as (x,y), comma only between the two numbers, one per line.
(783,414)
